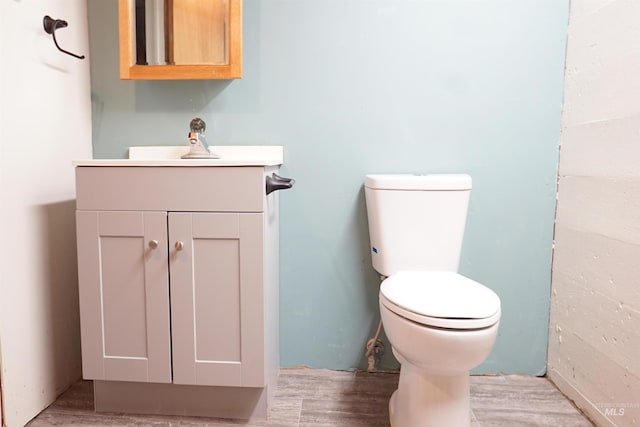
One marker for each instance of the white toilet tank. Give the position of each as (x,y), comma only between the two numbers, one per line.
(416,222)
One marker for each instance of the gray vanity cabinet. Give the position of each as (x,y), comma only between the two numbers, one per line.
(210,265)
(182,298)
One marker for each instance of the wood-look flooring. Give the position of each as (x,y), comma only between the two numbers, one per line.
(316,397)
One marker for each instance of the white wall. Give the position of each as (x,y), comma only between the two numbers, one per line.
(594,343)
(45,122)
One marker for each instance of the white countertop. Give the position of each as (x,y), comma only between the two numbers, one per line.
(230,155)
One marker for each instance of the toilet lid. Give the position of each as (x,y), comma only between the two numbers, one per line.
(440,298)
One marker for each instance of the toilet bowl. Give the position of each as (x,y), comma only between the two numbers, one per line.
(440,325)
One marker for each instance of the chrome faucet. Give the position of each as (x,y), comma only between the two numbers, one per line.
(198,147)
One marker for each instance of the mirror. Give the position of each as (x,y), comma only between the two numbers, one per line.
(180,39)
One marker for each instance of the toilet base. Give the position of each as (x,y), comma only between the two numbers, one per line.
(428,400)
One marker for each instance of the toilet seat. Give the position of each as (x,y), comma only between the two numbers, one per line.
(440,299)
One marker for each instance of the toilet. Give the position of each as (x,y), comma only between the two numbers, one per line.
(440,324)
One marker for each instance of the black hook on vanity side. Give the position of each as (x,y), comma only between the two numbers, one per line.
(50,26)
(276,182)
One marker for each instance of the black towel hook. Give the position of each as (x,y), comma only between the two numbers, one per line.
(50,27)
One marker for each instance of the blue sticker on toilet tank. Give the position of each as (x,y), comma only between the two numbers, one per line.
(374,249)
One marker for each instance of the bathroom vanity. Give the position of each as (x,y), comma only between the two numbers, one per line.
(178,281)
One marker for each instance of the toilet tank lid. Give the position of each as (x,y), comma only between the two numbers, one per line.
(433,182)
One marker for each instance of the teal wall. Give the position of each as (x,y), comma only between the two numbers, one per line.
(351,87)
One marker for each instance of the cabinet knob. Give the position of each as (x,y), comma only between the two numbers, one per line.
(153,244)
(179,245)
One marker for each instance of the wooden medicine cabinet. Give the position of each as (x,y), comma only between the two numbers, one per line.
(180,39)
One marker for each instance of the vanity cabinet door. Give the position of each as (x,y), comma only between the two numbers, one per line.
(217,304)
(124,295)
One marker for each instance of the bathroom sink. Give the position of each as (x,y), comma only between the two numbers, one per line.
(229,155)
